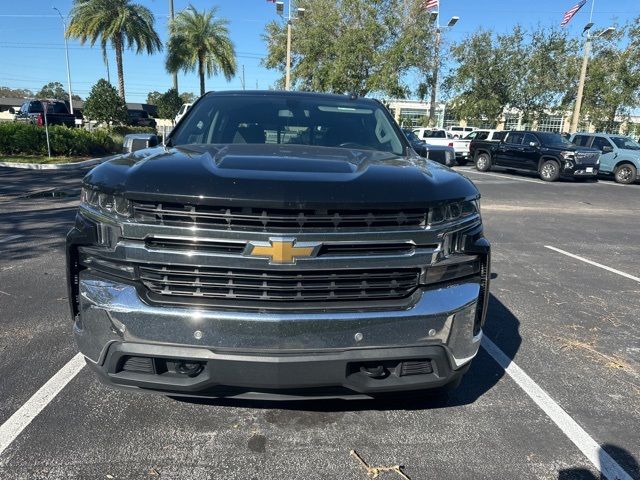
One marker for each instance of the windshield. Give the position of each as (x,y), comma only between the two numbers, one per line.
(288,120)
(555,139)
(52,107)
(625,143)
(435,134)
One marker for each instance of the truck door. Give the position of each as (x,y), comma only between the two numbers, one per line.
(607,153)
(508,150)
(530,152)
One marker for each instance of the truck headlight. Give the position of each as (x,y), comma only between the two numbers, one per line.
(453,211)
(568,155)
(105,202)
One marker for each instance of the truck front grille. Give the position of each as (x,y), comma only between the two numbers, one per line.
(268,285)
(587,157)
(274,220)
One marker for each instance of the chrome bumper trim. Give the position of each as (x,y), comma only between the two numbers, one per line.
(111,311)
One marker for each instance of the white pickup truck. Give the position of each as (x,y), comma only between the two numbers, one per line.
(461,146)
(434,136)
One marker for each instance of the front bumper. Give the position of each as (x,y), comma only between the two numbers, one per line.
(268,355)
(580,170)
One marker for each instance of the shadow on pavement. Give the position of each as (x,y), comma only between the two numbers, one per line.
(619,454)
(502,327)
(29,232)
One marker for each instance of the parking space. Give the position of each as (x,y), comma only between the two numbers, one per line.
(570,326)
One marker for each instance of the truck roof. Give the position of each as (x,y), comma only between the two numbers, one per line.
(284,93)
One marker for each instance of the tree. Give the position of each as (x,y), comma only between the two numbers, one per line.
(530,71)
(169,103)
(124,24)
(481,88)
(16,93)
(543,67)
(104,105)
(55,91)
(199,40)
(188,97)
(353,46)
(152,97)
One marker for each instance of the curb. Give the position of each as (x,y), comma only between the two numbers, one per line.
(55,166)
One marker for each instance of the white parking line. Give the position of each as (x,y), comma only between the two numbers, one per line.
(595,264)
(504,177)
(10,429)
(581,439)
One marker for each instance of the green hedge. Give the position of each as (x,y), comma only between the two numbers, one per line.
(123,130)
(24,139)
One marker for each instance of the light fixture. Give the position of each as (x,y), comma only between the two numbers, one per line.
(453,21)
(607,32)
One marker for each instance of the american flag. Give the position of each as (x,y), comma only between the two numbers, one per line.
(571,12)
(432,4)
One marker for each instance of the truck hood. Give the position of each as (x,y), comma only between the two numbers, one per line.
(292,176)
(571,148)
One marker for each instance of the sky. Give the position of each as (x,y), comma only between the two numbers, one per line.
(32,44)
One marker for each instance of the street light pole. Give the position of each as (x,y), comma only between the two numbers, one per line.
(436,67)
(66,54)
(583,75)
(287,83)
(434,85)
(290,17)
(175,74)
(575,120)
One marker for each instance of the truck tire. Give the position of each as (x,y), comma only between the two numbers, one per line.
(625,173)
(550,171)
(483,162)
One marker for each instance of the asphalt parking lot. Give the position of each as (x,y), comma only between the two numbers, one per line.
(563,320)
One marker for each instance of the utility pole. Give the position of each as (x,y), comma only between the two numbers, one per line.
(575,120)
(66,54)
(175,74)
(243,84)
(289,17)
(434,85)
(435,16)
(287,84)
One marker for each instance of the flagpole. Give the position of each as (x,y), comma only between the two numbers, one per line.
(593,2)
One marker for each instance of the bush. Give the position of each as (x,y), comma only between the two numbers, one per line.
(127,129)
(25,139)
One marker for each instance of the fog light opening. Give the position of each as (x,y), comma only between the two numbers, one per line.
(191,369)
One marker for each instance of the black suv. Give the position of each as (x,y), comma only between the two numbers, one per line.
(549,154)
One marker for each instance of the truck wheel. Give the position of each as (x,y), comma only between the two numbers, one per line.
(625,173)
(549,171)
(483,162)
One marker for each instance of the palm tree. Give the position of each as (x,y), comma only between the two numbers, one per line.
(124,24)
(199,39)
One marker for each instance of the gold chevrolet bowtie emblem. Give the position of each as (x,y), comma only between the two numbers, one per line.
(282,250)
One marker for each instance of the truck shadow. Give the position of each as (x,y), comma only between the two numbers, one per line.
(621,456)
(502,327)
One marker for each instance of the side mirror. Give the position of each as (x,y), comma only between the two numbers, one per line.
(534,144)
(607,149)
(138,141)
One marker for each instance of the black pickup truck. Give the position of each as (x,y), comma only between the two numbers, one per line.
(549,154)
(279,245)
(57,113)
